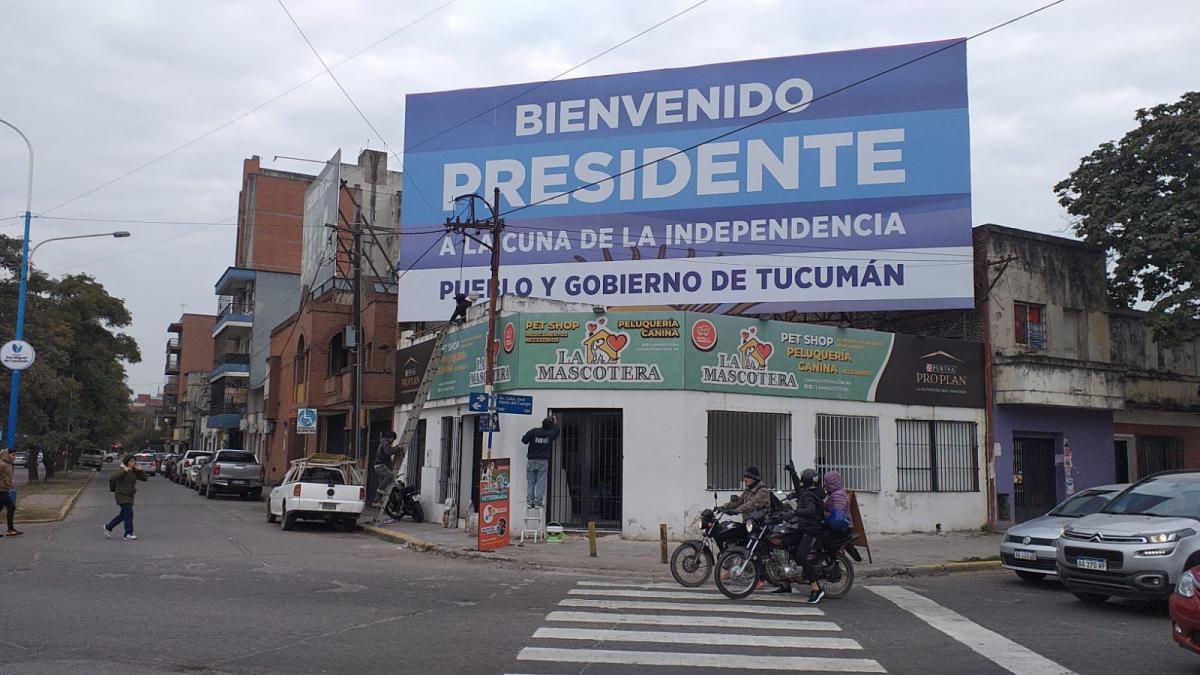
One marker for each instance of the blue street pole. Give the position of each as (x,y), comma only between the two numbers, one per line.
(14,392)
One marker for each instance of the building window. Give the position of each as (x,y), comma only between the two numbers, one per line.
(849,445)
(1158,453)
(937,456)
(337,355)
(737,440)
(1030,324)
(300,364)
(415,456)
(445,466)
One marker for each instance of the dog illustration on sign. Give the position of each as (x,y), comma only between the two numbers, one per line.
(754,352)
(603,345)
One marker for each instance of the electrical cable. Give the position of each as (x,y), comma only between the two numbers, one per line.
(785,111)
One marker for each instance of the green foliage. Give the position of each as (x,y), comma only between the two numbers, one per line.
(1139,199)
(74,395)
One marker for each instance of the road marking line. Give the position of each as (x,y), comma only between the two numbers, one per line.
(687,620)
(692,660)
(680,595)
(781,641)
(987,643)
(723,607)
(641,584)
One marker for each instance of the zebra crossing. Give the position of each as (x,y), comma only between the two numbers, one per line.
(666,626)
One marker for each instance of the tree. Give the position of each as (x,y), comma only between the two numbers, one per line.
(1139,199)
(74,395)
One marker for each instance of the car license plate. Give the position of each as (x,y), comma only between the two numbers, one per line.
(329,506)
(1092,564)
(237,482)
(1025,555)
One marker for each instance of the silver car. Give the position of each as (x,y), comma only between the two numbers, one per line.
(1139,544)
(1029,549)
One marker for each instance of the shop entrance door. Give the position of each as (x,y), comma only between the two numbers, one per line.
(1034,483)
(585,470)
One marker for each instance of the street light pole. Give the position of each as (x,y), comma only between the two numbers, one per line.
(120,234)
(10,435)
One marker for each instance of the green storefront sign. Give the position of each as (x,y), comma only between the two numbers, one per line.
(717,353)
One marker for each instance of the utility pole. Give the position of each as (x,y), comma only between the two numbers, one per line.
(357,373)
(495,225)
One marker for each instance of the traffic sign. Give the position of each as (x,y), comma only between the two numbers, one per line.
(477,402)
(514,403)
(17,355)
(489,422)
(306,421)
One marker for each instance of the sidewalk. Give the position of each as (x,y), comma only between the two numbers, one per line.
(43,502)
(893,554)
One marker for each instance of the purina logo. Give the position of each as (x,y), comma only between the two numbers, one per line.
(749,366)
(941,373)
(597,360)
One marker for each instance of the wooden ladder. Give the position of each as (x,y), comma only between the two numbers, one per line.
(414,413)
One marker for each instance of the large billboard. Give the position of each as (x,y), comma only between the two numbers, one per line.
(836,181)
(321,199)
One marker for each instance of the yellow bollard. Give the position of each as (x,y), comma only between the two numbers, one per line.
(592,538)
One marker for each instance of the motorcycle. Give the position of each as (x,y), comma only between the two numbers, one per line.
(403,502)
(692,561)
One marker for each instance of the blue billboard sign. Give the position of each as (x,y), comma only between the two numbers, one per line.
(826,181)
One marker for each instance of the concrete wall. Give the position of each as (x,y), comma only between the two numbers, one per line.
(276,297)
(1089,431)
(665,456)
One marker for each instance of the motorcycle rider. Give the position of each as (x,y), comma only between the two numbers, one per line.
(756,496)
(809,516)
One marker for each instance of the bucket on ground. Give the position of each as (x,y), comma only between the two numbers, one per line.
(554,533)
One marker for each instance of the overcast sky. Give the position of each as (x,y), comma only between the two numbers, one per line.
(102,88)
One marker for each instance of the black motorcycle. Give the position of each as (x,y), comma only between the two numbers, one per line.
(403,502)
(692,561)
(767,556)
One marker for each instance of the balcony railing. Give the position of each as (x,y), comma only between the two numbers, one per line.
(227,305)
(173,345)
(172,367)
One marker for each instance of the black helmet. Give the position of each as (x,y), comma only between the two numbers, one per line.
(808,478)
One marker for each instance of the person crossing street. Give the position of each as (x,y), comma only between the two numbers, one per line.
(124,484)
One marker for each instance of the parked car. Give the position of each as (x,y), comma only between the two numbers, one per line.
(1137,546)
(110,456)
(183,470)
(146,462)
(1030,548)
(167,465)
(193,471)
(92,458)
(1185,611)
(20,457)
(320,487)
(236,471)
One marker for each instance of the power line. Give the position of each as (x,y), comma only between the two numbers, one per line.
(251,111)
(789,109)
(564,73)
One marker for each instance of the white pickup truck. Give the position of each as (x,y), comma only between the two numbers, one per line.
(321,487)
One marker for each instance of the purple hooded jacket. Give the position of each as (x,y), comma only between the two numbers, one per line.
(835,493)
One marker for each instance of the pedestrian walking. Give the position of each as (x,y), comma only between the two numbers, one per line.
(124,484)
(537,467)
(8,490)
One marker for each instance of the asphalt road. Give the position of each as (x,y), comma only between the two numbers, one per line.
(211,587)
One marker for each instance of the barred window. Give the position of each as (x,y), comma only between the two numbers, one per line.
(937,456)
(445,466)
(849,445)
(737,440)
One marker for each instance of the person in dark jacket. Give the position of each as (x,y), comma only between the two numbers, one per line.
(540,442)
(809,517)
(756,496)
(461,304)
(388,454)
(8,492)
(124,484)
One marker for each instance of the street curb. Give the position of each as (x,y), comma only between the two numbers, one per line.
(932,570)
(928,570)
(65,508)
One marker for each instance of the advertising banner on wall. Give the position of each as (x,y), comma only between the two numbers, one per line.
(321,199)
(495,522)
(702,352)
(798,182)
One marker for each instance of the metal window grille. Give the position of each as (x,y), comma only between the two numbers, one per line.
(445,470)
(737,440)
(849,445)
(1158,453)
(415,456)
(937,456)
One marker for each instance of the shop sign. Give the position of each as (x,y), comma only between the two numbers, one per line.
(495,480)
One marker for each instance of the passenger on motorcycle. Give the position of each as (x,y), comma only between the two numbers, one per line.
(809,517)
(756,496)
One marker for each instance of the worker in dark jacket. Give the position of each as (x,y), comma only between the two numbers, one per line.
(540,442)
(124,484)
(756,496)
